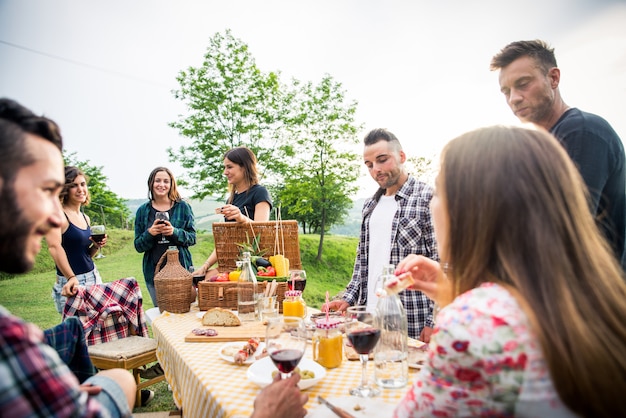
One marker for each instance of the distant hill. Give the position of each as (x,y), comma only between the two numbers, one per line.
(204,211)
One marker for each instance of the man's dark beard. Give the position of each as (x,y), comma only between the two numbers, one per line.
(14,234)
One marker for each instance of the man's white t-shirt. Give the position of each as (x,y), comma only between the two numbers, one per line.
(380,224)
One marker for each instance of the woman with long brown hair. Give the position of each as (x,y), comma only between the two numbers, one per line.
(71,246)
(153,236)
(534,301)
(247,201)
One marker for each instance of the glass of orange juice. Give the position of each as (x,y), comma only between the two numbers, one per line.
(294,305)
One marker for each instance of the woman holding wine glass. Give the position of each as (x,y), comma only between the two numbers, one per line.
(533,298)
(164,220)
(248,200)
(71,246)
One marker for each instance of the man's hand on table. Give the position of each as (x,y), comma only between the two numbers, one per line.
(282,398)
(336,306)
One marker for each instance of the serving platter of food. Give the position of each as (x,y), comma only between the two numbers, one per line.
(243,353)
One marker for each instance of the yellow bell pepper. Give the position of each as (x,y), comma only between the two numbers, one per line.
(233,276)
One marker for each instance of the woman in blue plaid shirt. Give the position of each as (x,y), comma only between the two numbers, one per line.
(180,230)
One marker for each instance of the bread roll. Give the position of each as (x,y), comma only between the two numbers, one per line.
(221,318)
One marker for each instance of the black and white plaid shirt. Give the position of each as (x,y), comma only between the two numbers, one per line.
(412,232)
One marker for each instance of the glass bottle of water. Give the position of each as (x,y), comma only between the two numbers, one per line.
(391,366)
(247,291)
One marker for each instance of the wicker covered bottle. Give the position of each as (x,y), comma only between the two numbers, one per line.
(173,284)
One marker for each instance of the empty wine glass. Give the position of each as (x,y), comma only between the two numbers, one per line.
(285,340)
(162,217)
(363,331)
(297,280)
(98,233)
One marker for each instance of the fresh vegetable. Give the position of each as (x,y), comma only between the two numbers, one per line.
(267,271)
(222,277)
(261,262)
(281,264)
(233,276)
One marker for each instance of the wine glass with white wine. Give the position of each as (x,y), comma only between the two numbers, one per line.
(98,233)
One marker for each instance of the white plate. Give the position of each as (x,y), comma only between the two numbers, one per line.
(260,373)
(367,407)
(236,346)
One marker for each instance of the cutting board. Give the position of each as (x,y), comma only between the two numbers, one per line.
(224,334)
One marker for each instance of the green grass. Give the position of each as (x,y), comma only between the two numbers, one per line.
(29,295)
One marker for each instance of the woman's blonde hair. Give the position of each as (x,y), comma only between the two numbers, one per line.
(518,216)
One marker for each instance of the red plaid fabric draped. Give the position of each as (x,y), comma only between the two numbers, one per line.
(109,311)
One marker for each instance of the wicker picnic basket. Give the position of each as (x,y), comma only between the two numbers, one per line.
(224,294)
(227,235)
(172,284)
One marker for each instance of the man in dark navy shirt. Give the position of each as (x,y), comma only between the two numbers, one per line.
(529,79)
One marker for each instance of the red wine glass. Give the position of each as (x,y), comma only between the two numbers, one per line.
(98,232)
(363,332)
(297,280)
(285,340)
(162,217)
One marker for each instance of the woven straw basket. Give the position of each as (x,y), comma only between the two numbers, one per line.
(275,238)
(173,284)
(224,294)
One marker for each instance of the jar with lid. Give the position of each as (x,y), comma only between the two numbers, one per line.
(294,305)
(328,343)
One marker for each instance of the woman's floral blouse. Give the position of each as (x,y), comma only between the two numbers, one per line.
(483,361)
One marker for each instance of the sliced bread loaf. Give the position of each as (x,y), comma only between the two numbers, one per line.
(219,317)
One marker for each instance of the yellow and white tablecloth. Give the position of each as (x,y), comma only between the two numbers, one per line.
(204,385)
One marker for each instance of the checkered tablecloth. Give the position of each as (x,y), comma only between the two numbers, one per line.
(204,385)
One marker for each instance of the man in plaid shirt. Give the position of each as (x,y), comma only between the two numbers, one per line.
(35,381)
(396,222)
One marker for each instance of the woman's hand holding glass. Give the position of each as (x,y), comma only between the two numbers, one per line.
(232,213)
(163,226)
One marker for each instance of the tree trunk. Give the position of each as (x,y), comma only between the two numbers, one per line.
(321,244)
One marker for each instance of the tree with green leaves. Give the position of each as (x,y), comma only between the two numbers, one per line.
(317,192)
(422,168)
(106,207)
(230,103)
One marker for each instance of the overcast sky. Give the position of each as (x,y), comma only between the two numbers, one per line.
(104,70)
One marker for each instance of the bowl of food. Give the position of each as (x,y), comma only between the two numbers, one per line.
(261,372)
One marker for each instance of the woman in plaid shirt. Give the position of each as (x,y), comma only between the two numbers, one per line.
(180,230)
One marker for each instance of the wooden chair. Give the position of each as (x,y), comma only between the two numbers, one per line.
(129,353)
(115,328)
